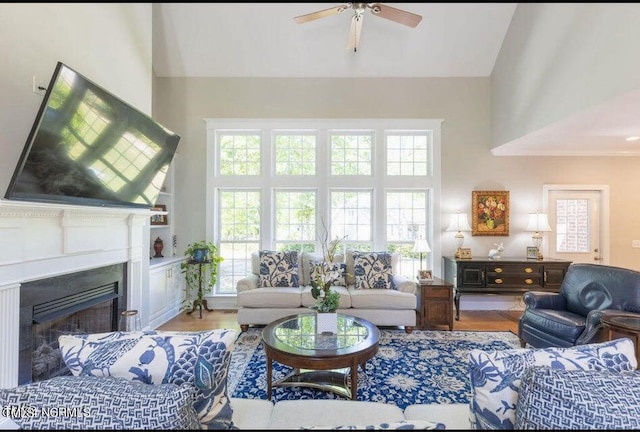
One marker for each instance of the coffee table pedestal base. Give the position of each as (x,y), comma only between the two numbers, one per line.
(335,381)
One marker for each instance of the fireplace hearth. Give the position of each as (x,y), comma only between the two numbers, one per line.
(89,301)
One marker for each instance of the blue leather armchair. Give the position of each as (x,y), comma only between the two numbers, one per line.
(572,316)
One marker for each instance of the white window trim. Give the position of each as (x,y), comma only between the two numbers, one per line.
(321,126)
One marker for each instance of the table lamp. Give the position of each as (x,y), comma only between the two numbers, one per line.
(421,246)
(538,223)
(459,223)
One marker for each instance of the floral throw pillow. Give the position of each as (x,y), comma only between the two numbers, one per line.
(496,376)
(339,268)
(279,269)
(200,359)
(373,270)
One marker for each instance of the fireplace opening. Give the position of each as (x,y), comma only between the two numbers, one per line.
(84,302)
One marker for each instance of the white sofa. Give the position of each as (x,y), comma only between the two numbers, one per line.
(258,414)
(383,307)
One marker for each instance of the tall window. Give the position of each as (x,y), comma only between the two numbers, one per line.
(278,184)
(572,225)
(239,235)
(406,221)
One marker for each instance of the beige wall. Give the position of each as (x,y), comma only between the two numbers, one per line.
(467,164)
(558,59)
(109,43)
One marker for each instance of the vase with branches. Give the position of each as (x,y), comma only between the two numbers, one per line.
(327,272)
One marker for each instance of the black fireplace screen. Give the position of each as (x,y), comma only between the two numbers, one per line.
(46,361)
(83,302)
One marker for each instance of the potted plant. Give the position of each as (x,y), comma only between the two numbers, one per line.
(327,300)
(200,272)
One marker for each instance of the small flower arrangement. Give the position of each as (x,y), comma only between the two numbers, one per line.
(327,300)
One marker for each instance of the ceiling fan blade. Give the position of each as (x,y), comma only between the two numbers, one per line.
(394,14)
(354,32)
(320,14)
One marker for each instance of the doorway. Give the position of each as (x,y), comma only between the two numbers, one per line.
(579,219)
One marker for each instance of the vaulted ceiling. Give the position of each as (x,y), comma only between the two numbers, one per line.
(262,40)
(452,40)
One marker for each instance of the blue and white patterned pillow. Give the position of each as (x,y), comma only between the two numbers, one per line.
(373,270)
(341,268)
(279,269)
(560,399)
(87,402)
(200,359)
(495,376)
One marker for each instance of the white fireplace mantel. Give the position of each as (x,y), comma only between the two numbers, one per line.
(41,240)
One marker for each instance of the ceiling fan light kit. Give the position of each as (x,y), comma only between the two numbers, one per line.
(377,9)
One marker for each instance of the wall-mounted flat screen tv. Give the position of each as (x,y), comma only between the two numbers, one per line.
(88,147)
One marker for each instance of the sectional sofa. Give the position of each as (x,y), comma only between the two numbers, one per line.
(183,386)
(260,305)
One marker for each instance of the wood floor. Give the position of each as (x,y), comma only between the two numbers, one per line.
(502,320)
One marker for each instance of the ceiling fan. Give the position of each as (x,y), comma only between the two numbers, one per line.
(377,9)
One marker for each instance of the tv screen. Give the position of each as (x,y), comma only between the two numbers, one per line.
(88,147)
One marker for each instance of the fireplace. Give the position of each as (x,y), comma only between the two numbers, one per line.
(45,241)
(89,301)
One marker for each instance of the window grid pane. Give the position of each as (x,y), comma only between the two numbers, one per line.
(351,154)
(406,221)
(295,154)
(572,226)
(295,219)
(351,215)
(239,212)
(407,155)
(239,154)
(235,266)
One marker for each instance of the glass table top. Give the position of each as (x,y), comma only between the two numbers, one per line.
(300,332)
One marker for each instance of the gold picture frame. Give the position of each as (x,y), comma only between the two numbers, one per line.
(159,219)
(464,253)
(490,213)
(425,275)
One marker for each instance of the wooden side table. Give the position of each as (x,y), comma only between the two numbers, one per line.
(436,303)
(619,325)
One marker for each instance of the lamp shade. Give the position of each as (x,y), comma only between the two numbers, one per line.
(538,222)
(421,246)
(458,222)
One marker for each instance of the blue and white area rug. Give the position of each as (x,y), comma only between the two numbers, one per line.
(426,366)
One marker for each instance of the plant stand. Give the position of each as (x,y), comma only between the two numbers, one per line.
(199,302)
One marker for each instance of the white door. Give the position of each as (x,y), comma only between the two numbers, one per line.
(577,215)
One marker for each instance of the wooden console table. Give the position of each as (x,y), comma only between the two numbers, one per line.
(436,304)
(505,276)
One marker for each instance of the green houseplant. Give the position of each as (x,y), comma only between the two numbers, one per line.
(203,261)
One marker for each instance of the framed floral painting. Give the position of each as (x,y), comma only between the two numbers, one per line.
(490,213)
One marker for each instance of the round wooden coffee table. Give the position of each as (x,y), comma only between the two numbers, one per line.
(317,358)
